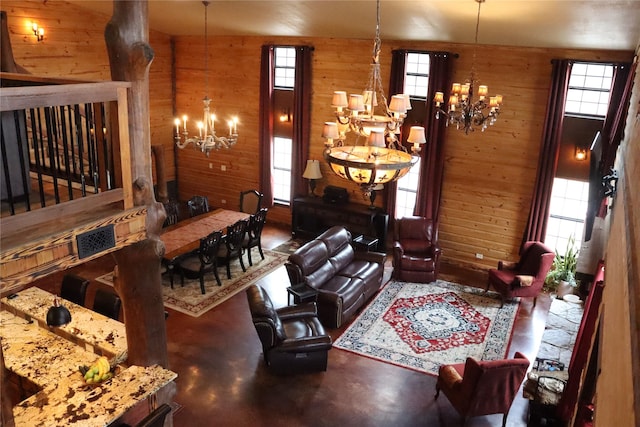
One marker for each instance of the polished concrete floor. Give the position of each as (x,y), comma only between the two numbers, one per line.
(222,379)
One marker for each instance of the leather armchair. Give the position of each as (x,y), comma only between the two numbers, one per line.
(526,277)
(416,252)
(293,339)
(482,387)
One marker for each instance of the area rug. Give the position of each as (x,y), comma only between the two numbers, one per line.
(422,326)
(189,299)
(290,246)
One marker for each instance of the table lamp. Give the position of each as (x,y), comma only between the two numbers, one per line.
(312,172)
(58,314)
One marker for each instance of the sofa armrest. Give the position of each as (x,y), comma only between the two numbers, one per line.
(377,257)
(507,265)
(299,310)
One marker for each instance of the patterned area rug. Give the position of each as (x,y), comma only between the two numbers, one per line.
(423,326)
(189,300)
(290,246)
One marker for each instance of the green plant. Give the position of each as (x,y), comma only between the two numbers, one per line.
(564,267)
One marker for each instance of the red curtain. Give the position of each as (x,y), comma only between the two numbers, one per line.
(432,162)
(548,158)
(265,131)
(301,119)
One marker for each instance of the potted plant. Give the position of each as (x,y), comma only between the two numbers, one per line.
(561,278)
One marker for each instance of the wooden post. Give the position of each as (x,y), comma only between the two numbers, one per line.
(161,174)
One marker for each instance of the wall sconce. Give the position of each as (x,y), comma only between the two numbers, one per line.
(581,153)
(285,116)
(38,32)
(312,172)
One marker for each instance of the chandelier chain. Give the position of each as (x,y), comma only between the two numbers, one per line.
(206,48)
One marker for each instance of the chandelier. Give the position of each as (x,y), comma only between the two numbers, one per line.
(382,158)
(463,110)
(206,140)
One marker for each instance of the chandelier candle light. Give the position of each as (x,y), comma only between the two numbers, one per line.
(382,158)
(206,140)
(463,111)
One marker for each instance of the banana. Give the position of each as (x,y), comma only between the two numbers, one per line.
(104,362)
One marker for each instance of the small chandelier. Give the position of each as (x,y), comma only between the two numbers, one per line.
(206,140)
(382,158)
(463,111)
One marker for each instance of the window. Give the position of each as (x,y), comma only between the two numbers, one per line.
(589,88)
(407,191)
(567,212)
(416,84)
(416,79)
(282,151)
(285,67)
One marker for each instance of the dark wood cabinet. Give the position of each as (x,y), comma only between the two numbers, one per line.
(311,216)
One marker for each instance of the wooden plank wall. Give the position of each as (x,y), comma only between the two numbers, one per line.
(74,47)
(488,176)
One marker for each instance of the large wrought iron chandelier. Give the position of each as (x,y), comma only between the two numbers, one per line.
(207,139)
(463,111)
(382,158)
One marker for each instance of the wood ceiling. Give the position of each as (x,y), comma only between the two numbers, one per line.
(581,24)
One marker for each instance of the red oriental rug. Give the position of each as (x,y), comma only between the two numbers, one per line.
(422,326)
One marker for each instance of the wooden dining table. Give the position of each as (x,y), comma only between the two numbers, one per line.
(184,237)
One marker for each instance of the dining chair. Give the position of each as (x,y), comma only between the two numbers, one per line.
(74,288)
(250,201)
(173,213)
(107,303)
(198,205)
(253,236)
(204,260)
(232,248)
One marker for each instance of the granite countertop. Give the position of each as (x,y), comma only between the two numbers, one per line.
(51,362)
(97,333)
(37,354)
(72,402)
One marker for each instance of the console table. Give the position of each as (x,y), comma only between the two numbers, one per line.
(311,216)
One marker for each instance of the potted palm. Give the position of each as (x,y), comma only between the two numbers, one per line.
(561,278)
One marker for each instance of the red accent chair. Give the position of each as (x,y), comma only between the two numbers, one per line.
(415,250)
(526,277)
(482,388)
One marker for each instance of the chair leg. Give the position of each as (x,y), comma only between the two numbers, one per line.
(487,288)
(437,393)
(202,283)
(228,269)
(260,250)
(249,257)
(170,271)
(215,273)
(534,300)
(504,419)
(244,269)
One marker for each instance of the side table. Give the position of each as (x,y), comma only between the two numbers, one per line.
(365,243)
(301,293)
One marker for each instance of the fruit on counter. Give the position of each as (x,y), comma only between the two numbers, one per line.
(99,371)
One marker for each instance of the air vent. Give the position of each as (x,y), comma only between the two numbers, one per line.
(96,241)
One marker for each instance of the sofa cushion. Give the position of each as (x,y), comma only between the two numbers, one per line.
(310,256)
(349,288)
(342,257)
(319,277)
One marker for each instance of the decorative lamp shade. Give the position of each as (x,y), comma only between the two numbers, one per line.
(58,315)
(312,171)
(330,130)
(398,104)
(416,135)
(407,101)
(376,138)
(339,99)
(356,102)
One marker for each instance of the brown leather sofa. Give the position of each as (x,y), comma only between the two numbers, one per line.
(345,279)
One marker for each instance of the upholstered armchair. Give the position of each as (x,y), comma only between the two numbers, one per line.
(479,388)
(415,250)
(293,339)
(526,277)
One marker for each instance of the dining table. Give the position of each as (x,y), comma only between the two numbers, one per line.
(184,237)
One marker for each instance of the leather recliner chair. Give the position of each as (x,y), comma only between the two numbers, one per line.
(416,252)
(293,339)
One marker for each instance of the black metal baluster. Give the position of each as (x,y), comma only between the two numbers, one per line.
(80,145)
(38,148)
(65,149)
(7,176)
(22,143)
(52,153)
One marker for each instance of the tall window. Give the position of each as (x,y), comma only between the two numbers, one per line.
(416,84)
(567,212)
(282,143)
(589,88)
(285,67)
(282,150)
(407,191)
(588,95)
